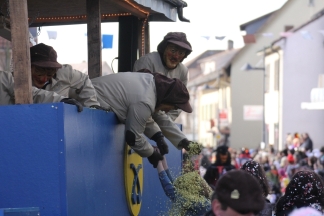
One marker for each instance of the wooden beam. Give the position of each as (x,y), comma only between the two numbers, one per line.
(147,37)
(140,38)
(143,38)
(127,43)
(94,38)
(20,51)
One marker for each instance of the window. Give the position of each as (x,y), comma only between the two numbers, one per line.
(267,78)
(276,75)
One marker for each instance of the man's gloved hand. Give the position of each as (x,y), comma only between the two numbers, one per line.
(160,142)
(100,108)
(73,102)
(184,144)
(155,158)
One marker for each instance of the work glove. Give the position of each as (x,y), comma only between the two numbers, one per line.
(73,102)
(155,158)
(160,142)
(100,108)
(184,144)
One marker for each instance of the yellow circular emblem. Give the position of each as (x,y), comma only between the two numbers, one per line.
(133,171)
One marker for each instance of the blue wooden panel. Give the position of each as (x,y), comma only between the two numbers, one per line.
(70,163)
(155,202)
(94,163)
(30,158)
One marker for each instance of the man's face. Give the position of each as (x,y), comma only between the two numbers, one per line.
(173,55)
(223,157)
(40,76)
(218,211)
(165,107)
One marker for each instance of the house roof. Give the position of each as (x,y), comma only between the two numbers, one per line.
(265,25)
(244,25)
(193,62)
(63,12)
(222,60)
(270,49)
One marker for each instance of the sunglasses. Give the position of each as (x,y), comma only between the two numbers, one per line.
(174,50)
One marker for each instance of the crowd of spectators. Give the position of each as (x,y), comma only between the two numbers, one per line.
(290,179)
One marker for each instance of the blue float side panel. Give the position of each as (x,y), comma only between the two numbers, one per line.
(155,202)
(31,166)
(94,163)
(70,163)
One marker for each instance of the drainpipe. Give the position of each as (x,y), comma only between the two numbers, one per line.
(179,4)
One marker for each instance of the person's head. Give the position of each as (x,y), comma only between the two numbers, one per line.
(223,156)
(305,211)
(257,171)
(245,151)
(304,190)
(305,135)
(172,94)
(174,48)
(44,64)
(237,193)
(284,152)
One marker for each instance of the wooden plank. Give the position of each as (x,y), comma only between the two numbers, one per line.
(140,38)
(94,38)
(143,37)
(127,43)
(147,37)
(20,51)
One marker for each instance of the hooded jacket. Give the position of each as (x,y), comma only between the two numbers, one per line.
(74,84)
(132,97)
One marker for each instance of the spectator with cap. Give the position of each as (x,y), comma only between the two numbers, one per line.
(135,97)
(171,51)
(222,165)
(254,169)
(237,193)
(50,75)
(304,190)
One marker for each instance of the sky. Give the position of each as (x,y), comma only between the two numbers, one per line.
(207,18)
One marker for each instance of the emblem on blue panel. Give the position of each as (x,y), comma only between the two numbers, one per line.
(133,171)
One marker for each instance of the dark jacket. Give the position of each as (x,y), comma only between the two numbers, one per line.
(214,172)
(267,210)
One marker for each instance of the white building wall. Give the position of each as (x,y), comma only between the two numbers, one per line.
(207,109)
(302,64)
(247,87)
(273,100)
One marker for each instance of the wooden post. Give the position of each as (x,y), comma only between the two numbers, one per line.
(143,38)
(140,38)
(147,37)
(128,43)
(94,38)
(20,51)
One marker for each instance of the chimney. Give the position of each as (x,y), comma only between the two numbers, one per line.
(230,44)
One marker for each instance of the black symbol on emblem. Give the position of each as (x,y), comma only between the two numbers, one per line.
(136,188)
